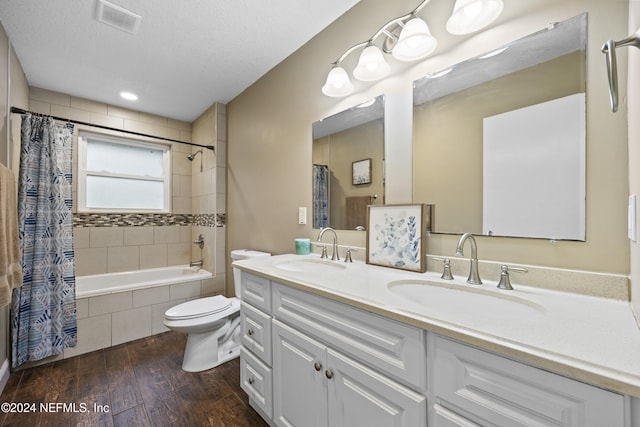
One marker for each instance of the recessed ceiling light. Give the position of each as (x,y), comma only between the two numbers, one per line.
(129,96)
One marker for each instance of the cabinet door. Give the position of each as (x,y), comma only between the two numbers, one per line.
(492,390)
(360,396)
(299,384)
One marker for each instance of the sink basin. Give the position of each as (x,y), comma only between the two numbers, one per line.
(311,266)
(472,300)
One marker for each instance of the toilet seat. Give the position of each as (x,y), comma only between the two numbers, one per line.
(198,308)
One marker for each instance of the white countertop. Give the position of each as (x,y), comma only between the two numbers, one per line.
(591,339)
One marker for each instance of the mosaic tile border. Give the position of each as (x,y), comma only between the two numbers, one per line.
(148,219)
(210,220)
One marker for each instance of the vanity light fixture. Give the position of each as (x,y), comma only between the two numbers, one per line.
(371,65)
(407,38)
(338,83)
(472,15)
(415,41)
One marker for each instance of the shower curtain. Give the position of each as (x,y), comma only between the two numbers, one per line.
(320,196)
(43,310)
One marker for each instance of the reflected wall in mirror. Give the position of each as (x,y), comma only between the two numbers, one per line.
(453,115)
(339,142)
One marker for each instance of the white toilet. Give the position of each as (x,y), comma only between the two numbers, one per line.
(212,325)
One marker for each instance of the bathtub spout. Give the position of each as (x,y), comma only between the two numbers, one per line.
(195,263)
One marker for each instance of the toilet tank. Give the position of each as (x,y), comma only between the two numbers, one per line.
(243,254)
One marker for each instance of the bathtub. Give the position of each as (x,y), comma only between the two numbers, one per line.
(115,308)
(109,283)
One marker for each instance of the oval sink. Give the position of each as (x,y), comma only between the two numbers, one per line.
(469,299)
(311,266)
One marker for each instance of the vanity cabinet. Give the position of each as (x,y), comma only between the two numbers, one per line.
(309,360)
(473,387)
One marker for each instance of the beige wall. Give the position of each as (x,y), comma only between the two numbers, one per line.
(270,133)
(634,143)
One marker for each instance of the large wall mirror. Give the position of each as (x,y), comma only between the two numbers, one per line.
(499,140)
(348,166)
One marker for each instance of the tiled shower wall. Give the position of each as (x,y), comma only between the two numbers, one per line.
(112,243)
(107,243)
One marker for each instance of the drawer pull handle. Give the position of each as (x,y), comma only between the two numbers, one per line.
(250,332)
(328,373)
(317,366)
(250,381)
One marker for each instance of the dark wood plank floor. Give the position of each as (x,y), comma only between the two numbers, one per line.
(139,383)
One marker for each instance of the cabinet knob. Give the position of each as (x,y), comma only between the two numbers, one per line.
(250,380)
(250,332)
(317,366)
(328,373)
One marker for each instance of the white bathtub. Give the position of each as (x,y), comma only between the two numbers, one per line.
(109,283)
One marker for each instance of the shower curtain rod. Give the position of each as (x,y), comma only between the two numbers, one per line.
(77,122)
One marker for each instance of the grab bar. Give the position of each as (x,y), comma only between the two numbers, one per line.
(609,49)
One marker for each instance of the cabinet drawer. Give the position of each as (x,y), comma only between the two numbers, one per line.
(256,380)
(392,347)
(490,389)
(256,291)
(255,332)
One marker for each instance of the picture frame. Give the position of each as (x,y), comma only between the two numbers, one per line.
(361,172)
(396,236)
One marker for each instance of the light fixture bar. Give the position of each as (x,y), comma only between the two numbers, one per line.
(408,38)
(383,29)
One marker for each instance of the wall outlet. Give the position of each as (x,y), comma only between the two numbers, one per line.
(302,215)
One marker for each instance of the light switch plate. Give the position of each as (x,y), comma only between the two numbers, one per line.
(302,215)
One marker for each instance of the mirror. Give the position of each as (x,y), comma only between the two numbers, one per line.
(499,139)
(348,165)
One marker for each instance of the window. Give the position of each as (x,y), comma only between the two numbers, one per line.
(122,175)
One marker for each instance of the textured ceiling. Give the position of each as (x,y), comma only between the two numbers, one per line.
(186,55)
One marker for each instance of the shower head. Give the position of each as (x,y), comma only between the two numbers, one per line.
(193,155)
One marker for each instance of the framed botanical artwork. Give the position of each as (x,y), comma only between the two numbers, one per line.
(361,172)
(395,236)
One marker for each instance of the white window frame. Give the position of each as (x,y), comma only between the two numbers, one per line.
(83,137)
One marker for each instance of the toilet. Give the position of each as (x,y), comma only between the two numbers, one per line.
(212,324)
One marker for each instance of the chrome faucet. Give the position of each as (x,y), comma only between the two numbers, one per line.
(334,254)
(195,263)
(474,276)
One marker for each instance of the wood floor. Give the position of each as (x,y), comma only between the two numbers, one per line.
(139,383)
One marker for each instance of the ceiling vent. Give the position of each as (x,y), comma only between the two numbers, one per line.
(117,17)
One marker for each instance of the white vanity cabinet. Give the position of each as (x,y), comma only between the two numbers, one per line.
(311,360)
(370,370)
(473,387)
(255,335)
(317,386)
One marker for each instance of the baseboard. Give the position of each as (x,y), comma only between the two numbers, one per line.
(4,374)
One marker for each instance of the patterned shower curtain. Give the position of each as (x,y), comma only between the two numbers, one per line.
(320,196)
(43,310)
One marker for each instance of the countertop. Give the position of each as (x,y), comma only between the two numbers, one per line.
(592,339)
